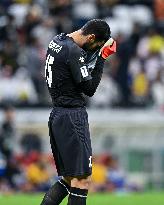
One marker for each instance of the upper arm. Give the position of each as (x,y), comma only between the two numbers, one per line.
(78,67)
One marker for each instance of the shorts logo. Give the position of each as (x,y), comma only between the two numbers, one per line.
(90,162)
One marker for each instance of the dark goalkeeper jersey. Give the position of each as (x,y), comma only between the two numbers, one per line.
(71,72)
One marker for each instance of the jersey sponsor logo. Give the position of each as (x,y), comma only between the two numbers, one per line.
(48,69)
(55,47)
(81,59)
(84,71)
(90,162)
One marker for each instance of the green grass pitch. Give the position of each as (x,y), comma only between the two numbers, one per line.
(93,199)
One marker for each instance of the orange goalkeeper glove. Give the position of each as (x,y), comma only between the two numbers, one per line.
(108,49)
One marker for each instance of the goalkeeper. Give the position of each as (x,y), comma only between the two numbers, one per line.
(74,67)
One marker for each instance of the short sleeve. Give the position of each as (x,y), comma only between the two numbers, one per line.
(77,64)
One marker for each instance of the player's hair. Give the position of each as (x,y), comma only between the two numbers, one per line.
(98,27)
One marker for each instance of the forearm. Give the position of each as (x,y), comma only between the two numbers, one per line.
(89,87)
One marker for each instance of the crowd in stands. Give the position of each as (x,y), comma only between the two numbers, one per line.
(132,77)
(36,172)
(27,170)
(32,170)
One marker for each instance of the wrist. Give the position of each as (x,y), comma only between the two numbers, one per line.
(100,62)
(101,59)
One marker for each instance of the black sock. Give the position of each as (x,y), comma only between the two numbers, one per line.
(77,196)
(56,193)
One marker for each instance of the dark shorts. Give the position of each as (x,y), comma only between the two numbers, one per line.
(70,141)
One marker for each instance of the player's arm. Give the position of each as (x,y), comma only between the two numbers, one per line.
(89,87)
(86,81)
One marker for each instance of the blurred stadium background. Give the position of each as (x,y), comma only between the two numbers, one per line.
(126,114)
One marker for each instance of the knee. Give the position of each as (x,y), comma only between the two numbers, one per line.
(81,182)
